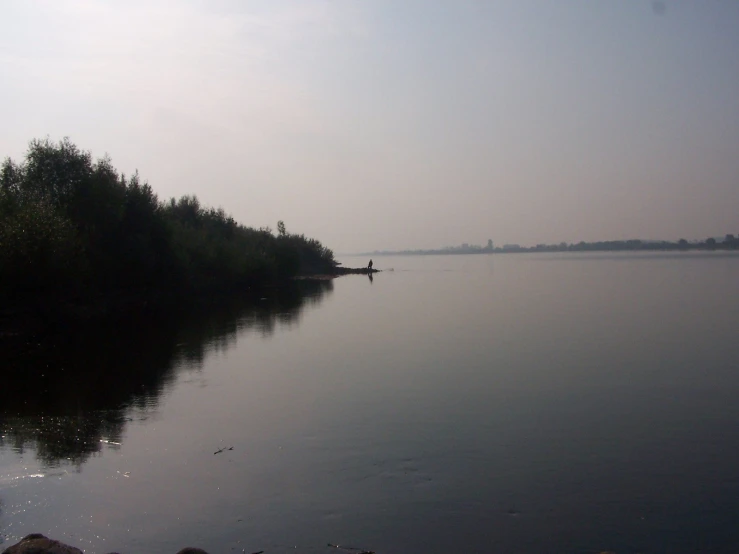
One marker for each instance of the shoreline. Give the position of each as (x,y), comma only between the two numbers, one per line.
(338,272)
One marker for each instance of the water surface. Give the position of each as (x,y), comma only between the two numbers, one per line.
(496,403)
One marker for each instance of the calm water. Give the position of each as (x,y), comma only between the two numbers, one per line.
(509,403)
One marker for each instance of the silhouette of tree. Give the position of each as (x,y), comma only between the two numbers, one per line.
(73,227)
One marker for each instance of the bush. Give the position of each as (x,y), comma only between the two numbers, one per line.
(71,224)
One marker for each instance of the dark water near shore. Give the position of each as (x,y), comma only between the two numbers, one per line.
(506,403)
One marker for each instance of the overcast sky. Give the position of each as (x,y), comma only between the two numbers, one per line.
(389,124)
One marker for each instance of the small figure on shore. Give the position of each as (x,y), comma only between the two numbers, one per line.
(369,265)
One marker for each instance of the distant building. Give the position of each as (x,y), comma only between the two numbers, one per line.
(490,244)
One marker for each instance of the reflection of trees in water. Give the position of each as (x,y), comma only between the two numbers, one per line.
(65,395)
(263,313)
(62,439)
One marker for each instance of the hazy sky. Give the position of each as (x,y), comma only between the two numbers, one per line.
(392,123)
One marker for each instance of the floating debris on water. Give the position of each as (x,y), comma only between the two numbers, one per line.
(352,549)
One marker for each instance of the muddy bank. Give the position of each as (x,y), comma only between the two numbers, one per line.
(339,271)
(355,271)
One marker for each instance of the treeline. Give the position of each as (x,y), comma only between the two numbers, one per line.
(72,226)
(729,242)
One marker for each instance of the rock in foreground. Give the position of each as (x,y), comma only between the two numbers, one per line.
(36,543)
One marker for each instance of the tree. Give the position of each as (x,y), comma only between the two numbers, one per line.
(74,227)
(39,251)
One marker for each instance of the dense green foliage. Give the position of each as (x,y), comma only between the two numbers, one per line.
(72,226)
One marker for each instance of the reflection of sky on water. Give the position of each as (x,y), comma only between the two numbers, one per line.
(453,404)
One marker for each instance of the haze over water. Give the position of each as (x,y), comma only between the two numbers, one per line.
(497,403)
(391,125)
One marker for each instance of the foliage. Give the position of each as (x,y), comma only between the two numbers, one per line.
(70,225)
(39,250)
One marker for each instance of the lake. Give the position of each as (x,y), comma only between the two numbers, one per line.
(486,403)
